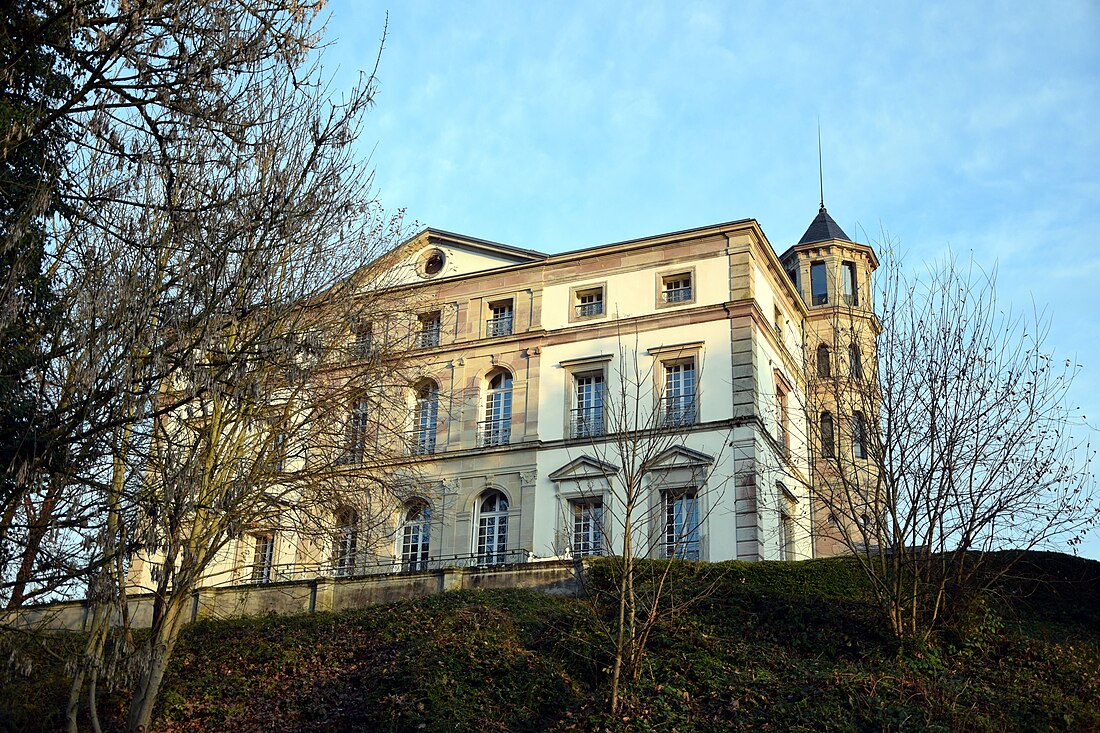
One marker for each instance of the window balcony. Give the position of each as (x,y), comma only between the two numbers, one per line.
(587,422)
(427,338)
(587,310)
(677,411)
(421,442)
(500,326)
(494,432)
(677,295)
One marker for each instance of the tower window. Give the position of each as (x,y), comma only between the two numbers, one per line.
(819,286)
(849,284)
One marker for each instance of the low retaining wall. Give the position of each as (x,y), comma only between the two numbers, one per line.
(557,577)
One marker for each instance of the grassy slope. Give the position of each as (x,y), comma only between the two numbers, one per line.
(770,647)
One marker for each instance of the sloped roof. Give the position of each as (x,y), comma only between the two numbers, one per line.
(822,229)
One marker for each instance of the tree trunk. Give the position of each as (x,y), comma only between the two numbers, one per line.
(159,647)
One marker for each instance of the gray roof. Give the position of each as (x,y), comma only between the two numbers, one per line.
(822,229)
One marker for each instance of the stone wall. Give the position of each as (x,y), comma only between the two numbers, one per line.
(557,577)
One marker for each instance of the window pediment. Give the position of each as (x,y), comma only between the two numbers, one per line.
(583,468)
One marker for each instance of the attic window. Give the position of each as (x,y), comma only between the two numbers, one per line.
(431,262)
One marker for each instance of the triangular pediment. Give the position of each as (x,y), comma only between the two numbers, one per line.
(583,468)
(451,255)
(679,457)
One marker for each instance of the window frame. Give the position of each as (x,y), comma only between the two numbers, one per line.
(859,435)
(824,362)
(586,528)
(827,437)
(821,298)
(675,275)
(498,518)
(425,424)
(345,542)
(577,292)
(429,330)
(495,426)
(414,537)
(495,323)
(263,557)
(673,521)
(849,283)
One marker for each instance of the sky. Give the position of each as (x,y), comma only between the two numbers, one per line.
(969,128)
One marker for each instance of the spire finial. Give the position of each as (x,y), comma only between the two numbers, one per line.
(820,168)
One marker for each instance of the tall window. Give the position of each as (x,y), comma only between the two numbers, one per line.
(492,528)
(855,361)
(496,427)
(587,528)
(500,320)
(345,541)
(819,287)
(849,284)
(681,536)
(828,442)
(362,336)
(859,436)
(588,414)
(676,288)
(358,423)
(263,557)
(781,419)
(786,527)
(678,401)
(425,419)
(824,364)
(430,328)
(416,530)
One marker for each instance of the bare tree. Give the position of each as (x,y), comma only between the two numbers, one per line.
(941,432)
(642,495)
(212,243)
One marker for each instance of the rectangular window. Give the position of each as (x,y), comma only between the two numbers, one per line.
(855,361)
(819,286)
(587,528)
(358,424)
(681,535)
(361,337)
(588,413)
(429,330)
(588,303)
(500,321)
(849,284)
(676,288)
(263,558)
(678,401)
(278,453)
(859,436)
(781,419)
(786,531)
(795,277)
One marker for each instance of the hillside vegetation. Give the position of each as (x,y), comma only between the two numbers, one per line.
(767,646)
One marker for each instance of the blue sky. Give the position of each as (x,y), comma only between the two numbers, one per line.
(973,127)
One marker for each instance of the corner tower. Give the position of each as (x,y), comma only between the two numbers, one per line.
(833,275)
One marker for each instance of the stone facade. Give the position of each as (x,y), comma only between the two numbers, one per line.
(522,354)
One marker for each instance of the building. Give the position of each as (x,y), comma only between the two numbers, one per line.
(544,378)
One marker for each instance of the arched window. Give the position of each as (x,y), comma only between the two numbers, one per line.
(496,426)
(425,419)
(824,366)
(346,541)
(855,361)
(416,530)
(492,528)
(827,440)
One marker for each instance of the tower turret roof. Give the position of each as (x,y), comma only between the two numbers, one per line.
(823,228)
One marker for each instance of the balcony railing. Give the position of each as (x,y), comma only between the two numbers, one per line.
(494,432)
(586,310)
(678,411)
(427,338)
(677,295)
(388,566)
(587,422)
(499,326)
(685,550)
(421,442)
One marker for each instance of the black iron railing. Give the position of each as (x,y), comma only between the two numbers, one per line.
(587,422)
(389,566)
(678,411)
(494,432)
(499,326)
